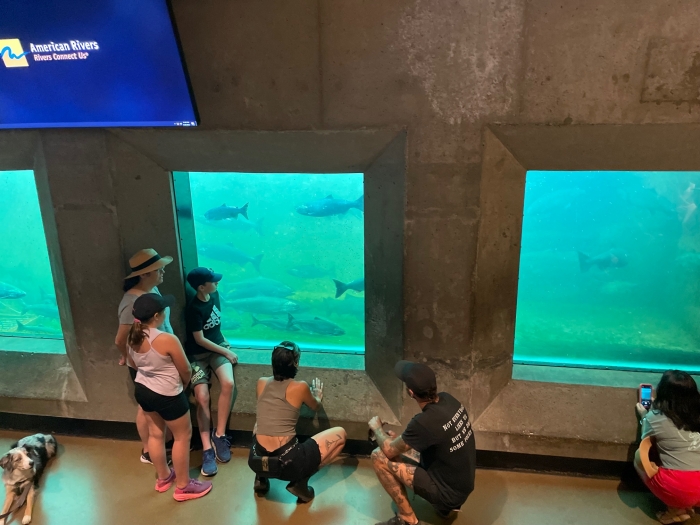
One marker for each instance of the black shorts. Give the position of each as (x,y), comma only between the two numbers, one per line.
(425,487)
(169,408)
(302,460)
(132,374)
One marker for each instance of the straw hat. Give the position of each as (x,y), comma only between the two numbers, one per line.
(145,261)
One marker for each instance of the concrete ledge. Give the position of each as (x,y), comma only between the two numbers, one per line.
(562,420)
(39,376)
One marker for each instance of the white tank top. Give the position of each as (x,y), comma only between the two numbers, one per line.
(155,371)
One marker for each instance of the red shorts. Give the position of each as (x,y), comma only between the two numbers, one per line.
(676,488)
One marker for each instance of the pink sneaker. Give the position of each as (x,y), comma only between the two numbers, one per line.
(164,484)
(194,489)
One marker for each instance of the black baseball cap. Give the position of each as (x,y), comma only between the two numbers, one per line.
(202,275)
(149,304)
(418,377)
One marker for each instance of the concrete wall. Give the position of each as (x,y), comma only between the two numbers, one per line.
(441,69)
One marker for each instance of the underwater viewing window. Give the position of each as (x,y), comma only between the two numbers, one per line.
(290,247)
(610,270)
(29,317)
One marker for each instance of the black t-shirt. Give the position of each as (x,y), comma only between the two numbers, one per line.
(204,317)
(443,435)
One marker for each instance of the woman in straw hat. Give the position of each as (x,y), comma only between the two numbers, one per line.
(147,270)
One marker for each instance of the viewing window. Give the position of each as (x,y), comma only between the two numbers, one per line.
(29,318)
(291,250)
(610,270)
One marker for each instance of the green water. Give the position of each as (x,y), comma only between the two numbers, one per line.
(299,256)
(27,300)
(631,300)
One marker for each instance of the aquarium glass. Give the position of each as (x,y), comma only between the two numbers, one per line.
(610,270)
(291,249)
(28,309)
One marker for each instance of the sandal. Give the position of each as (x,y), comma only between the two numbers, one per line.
(669,517)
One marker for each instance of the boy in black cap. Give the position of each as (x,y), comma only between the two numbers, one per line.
(435,455)
(209,352)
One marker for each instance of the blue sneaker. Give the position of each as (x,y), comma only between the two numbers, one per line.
(222,447)
(209,467)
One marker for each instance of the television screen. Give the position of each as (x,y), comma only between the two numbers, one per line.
(88,63)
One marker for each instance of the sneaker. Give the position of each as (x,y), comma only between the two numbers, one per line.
(209,467)
(164,484)
(194,489)
(146,458)
(261,486)
(222,447)
(301,490)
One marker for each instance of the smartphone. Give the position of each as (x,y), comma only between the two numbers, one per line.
(645,395)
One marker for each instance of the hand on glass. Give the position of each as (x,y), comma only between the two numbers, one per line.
(375,423)
(317,389)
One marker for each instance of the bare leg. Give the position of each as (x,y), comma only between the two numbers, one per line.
(395,477)
(639,468)
(226,398)
(182,432)
(30,506)
(9,500)
(156,444)
(201,394)
(142,427)
(330,443)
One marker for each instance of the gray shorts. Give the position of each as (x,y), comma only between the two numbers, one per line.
(204,364)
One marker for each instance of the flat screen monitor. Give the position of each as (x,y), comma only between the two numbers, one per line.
(91,63)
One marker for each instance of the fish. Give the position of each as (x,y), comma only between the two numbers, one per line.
(7,291)
(317,326)
(330,206)
(229,254)
(605,260)
(349,305)
(276,324)
(687,208)
(257,287)
(224,212)
(38,329)
(308,271)
(357,285)
(264,305)
(44,309)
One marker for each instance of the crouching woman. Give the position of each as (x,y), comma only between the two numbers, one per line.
(276,451)
(672,425)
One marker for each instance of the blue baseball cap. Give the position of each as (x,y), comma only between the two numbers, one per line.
(202,275)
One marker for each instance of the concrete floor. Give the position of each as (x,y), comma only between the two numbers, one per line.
(102,482)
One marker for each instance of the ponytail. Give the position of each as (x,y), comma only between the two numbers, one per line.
(137,334)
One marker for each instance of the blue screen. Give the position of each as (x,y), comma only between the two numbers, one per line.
(81,63)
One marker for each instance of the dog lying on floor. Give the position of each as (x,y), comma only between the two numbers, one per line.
(22,468)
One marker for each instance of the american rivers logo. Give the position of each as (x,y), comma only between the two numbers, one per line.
(13,54)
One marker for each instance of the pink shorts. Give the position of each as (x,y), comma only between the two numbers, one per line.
(676,488)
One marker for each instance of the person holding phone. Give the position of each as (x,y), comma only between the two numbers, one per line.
(673,424)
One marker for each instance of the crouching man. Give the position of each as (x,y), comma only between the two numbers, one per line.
(435,456)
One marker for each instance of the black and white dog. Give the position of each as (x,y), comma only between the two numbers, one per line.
(22,468)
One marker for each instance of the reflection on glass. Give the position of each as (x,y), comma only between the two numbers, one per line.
(291,248)
(28,306)
(610,270)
